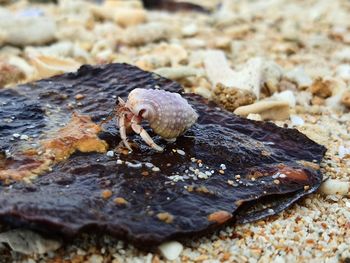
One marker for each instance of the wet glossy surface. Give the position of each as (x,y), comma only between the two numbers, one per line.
(69,199)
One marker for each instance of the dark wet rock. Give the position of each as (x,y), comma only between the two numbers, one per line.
(267,168)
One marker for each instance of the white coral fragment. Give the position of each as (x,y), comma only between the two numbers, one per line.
(252,76)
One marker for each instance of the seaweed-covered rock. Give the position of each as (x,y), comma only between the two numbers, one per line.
(224,168)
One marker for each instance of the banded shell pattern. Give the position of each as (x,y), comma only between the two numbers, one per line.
(168,114)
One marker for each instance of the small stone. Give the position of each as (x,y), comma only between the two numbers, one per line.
(120,201)
(321,88)
(145,173)
(276,181)
(299,76)
(171,250)
(181,152)
(287,96)
(254,117)
(165,217)
(134,165)
(155,169)
(223,166)
(110,153)
(343,55)
(106,194)
(16,135)
(79,96)
(343,71)
(24,137)
(342,151)
(296,120)
(335,186)
(189,30)
(95,259)
(149,165)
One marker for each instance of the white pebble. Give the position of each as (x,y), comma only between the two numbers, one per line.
(16,135)
(296,120)
(24,137)
(254,117)
(332,187)
(181,152)
(189,30)
(149,165)
(155,169)
(299,76)
(134,165)
(119,161)
(110,153)
(171,250)
(342,151)
(287,96)
(343,71)
(95,259)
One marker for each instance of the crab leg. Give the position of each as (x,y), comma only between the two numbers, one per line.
(121,122)
(137,128)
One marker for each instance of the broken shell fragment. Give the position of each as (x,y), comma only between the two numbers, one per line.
(268,110)
(47,66)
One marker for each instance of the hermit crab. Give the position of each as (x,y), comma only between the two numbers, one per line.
(168,114)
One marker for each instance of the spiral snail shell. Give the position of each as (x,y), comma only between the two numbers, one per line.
(169,115)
